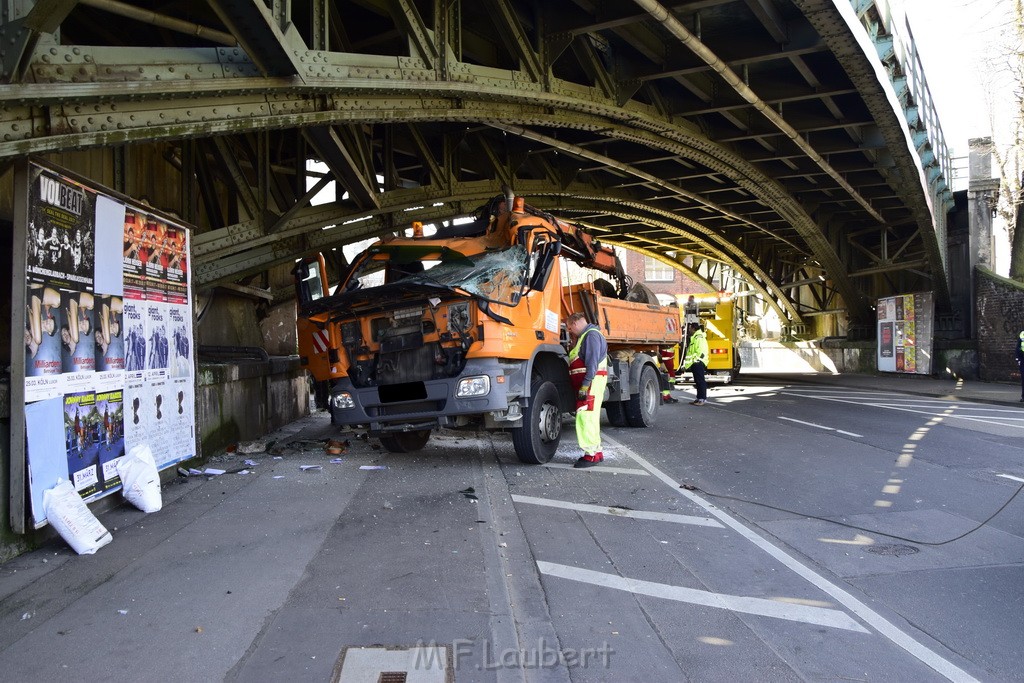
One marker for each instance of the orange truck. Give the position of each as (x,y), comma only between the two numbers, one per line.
(466,328)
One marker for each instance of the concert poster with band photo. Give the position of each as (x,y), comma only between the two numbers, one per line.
(108,335)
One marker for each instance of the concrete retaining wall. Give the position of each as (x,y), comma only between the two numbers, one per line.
(951,359)
(243,401)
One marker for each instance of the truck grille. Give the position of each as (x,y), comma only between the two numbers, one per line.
(406,408)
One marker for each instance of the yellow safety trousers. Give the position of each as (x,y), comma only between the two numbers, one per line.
(588,422)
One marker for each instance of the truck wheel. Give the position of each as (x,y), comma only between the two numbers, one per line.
(616,413)
(537,439)
(642,407)
(405,442)
(736,367)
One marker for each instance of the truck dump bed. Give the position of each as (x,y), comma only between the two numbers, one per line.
(624,322)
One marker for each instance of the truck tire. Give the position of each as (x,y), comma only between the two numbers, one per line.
(642,407)
(736,366)
(616,413)
(405,442)
(537,439)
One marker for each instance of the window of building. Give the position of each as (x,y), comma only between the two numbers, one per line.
(656,271)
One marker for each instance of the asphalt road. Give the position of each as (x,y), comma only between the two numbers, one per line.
(461,558)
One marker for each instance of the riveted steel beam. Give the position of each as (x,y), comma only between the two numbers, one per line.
(273,45)
(346,165)
(20,33)
(421,39)
(515,37)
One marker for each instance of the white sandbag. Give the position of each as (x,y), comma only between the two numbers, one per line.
(71,517)
(140,480)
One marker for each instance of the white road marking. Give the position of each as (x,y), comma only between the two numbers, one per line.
(869,616)
(599,468)
(1010,476)
(618,512)
(998,420)
(828,429)
(819,616)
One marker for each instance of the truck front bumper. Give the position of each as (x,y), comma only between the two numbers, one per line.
(481,388)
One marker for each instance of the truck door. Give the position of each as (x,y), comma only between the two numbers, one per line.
(310,279)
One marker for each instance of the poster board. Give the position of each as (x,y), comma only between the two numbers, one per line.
(905,333)
(106,325)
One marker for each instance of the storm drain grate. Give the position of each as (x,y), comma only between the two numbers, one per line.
(427,663)
(892,549)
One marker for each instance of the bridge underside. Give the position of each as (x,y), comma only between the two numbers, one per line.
(756,138)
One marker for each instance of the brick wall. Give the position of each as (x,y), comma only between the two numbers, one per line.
(1000,314)
(679,284)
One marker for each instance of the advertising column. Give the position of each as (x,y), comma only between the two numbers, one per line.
(905,333)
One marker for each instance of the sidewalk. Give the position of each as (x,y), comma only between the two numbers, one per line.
(923,385)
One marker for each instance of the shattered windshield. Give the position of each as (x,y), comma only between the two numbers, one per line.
(496,276)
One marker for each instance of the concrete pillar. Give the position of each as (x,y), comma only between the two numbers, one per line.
(982,194)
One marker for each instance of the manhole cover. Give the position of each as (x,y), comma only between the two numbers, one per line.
(426,663)
(892,549)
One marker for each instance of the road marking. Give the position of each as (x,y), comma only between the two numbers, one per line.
(618,512)
(869,616)
(819,616)
(1010,476)
(599,468)
(955,405)
(828,429)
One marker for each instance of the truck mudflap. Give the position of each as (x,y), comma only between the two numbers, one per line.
(481,388)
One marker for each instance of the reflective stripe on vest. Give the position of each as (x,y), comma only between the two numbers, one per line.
(575,351)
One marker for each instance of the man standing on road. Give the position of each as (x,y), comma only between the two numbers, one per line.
(588,370)
(696,361)
(1020,363)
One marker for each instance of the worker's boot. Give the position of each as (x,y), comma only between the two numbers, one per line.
(589,460)
(669,398)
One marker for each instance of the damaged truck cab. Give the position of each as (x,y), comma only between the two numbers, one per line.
(467,330)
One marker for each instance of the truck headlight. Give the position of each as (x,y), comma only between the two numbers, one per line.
(342,401)
(473,386)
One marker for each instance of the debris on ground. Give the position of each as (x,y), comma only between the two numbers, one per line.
(373,467)
(250,463)
(258,446)
(213,471)
(335,447)
(311,468)
(470,493)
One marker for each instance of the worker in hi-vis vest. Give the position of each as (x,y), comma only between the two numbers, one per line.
(696,361)
(588,372)
(1020,363)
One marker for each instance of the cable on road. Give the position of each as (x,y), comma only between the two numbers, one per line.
(692,487)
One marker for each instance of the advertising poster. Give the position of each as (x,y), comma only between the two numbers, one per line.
(135,426)
(905,333)
(157,347)
(134,320)
(110,435)
(80,431)
(885,342)
(180,413)
(43,363)
(109,342)
(108,336)
(179,362)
